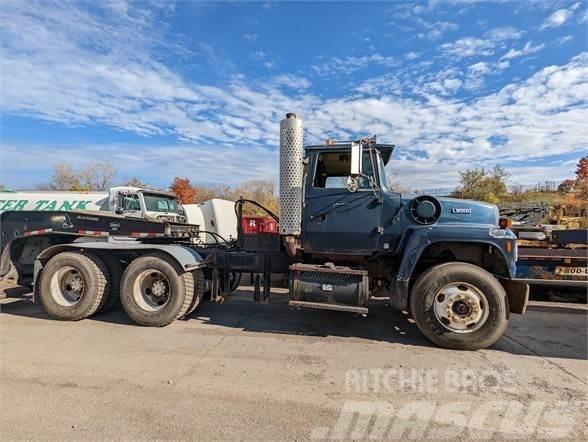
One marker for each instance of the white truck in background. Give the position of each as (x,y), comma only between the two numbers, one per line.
(134,202)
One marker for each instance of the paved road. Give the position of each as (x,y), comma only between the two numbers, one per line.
(241,370)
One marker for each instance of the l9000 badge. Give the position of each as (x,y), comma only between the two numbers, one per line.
(461,211)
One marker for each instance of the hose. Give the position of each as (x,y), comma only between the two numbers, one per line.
(239,212)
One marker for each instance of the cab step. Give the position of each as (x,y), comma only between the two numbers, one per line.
(325,306)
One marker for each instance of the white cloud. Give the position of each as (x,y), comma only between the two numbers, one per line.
(435,30)
(258,55)
(337,66)
(557,18)
(477,71)
(292,81)
(468,47)
(564,39)
(527,50)
(476,46)
(504,33)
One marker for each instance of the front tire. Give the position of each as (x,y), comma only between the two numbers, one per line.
(459,306)
(155,291)
(73,285)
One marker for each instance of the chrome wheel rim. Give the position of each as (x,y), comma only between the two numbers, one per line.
(461,307)
(151,290)
(67,286)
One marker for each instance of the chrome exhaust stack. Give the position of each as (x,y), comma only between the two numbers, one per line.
(291,177)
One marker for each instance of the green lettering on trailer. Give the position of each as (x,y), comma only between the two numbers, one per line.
(20,205)
(40,203)
(67,205)
(7,204)
(82,205)
(51,206)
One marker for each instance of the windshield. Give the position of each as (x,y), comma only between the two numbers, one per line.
(160,203)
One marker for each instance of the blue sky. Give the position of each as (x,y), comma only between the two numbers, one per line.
(197,89)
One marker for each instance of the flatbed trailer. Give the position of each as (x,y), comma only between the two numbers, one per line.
(558,258)
(555,267)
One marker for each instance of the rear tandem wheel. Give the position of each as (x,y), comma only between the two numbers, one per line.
(155,291)
(74,285)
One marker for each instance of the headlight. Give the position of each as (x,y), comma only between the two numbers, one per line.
(499,233)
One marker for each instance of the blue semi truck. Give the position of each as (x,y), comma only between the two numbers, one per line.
(344,237)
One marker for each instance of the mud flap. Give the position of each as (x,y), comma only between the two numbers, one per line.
(518,294)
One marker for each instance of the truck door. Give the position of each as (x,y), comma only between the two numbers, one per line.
(336,220)
(127,204)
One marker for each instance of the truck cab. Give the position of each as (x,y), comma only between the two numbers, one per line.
(347,213)
(147,204)
(445,260)
(349,208)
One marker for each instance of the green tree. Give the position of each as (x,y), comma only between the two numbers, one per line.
(482,184)
(582,181)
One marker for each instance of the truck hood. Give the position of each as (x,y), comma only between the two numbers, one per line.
(458,211)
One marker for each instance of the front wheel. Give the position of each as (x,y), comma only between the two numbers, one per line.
(459,306)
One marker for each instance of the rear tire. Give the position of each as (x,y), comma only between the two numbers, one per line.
(459,306)
(73,285)
(199,291)
(155,291)
(115,270)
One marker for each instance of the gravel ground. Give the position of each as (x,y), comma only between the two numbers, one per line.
(267,372)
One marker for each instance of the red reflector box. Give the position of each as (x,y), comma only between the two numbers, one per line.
(258,224)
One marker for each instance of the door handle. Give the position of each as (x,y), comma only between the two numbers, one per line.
(319,218)
(339,204)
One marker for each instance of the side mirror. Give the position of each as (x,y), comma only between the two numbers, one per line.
(356,156)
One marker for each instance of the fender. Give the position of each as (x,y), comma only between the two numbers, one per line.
(417,239)
(185,257)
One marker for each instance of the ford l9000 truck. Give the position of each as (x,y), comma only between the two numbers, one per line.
(344,237)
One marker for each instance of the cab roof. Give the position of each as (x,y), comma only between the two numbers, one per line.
(384,149)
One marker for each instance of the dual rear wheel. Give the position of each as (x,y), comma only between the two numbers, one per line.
(74,285)
(153,290)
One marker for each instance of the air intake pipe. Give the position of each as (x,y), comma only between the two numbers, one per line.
(291,176)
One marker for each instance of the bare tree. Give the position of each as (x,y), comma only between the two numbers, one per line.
(135,182)
(98,175)
(63,178)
